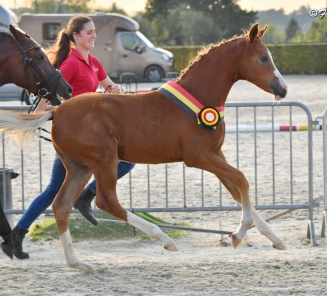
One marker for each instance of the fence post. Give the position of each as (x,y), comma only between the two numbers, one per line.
(324,136)
(6,192)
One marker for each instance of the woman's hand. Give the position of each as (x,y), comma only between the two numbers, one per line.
(114,89)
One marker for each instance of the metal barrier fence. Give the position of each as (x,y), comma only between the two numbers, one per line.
(279,167)
(324,129)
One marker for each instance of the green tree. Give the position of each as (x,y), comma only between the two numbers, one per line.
(154,8)
(48,6)
(291,29)
(181,22)
(76,6)
(207,33)
(225,14)
(274,35)
(147,27)
(317,31)
(113,9)
(155,30)
(299,37)
(177,27)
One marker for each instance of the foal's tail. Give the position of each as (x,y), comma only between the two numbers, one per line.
(22,126)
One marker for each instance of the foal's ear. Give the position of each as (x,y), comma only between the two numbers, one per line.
(253,33)
(262,31)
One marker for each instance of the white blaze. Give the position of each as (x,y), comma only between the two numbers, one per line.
(280,77)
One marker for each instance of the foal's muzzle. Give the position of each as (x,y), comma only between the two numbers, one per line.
(279,90)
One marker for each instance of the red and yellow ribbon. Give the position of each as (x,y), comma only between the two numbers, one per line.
(206,116)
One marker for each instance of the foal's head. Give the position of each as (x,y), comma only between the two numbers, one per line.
(258,67)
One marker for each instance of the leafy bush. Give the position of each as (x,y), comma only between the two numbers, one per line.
(288,58)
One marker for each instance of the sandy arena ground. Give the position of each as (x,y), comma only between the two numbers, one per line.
(203,265)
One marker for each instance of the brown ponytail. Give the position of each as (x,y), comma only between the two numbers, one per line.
(62,47)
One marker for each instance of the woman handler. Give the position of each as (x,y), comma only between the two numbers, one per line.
(71,54)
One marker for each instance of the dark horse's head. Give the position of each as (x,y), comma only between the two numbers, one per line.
(32,70)
(258,66)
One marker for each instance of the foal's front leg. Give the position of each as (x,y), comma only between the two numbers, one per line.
(212,163)
(265,230)
(259,222)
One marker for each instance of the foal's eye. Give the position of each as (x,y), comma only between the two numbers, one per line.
(40,57)
(264,59)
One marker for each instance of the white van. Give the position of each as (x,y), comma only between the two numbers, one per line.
(119,46)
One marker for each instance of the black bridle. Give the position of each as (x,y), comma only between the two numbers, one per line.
(32,65)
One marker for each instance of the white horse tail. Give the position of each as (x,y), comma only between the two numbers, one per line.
(22,127)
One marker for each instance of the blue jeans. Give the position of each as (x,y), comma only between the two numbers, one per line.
(45,199)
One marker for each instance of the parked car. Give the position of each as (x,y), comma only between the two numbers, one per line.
(12,92)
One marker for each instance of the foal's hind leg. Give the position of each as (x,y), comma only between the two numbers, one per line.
(106,177)
(76,177)
(259,222)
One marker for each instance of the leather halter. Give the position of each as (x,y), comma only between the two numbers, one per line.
(29,63)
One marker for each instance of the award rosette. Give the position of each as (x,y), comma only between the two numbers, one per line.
(209,116)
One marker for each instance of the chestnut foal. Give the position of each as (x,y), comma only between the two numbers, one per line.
(180,122)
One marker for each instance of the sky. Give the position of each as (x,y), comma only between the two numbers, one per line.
(131,6)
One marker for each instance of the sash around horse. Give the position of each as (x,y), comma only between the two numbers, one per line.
(207,117)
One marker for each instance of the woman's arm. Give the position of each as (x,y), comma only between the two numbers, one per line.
(111,87)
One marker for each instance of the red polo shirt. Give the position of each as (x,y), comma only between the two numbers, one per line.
(80,75)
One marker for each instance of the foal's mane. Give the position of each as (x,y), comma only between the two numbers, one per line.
(206,49)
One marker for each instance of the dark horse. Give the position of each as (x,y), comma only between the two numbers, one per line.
(182,121)
(23,62)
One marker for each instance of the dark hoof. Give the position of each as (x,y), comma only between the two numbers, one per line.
(8,249)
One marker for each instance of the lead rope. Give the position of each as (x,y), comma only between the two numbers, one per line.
(41,137)
(33,107)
